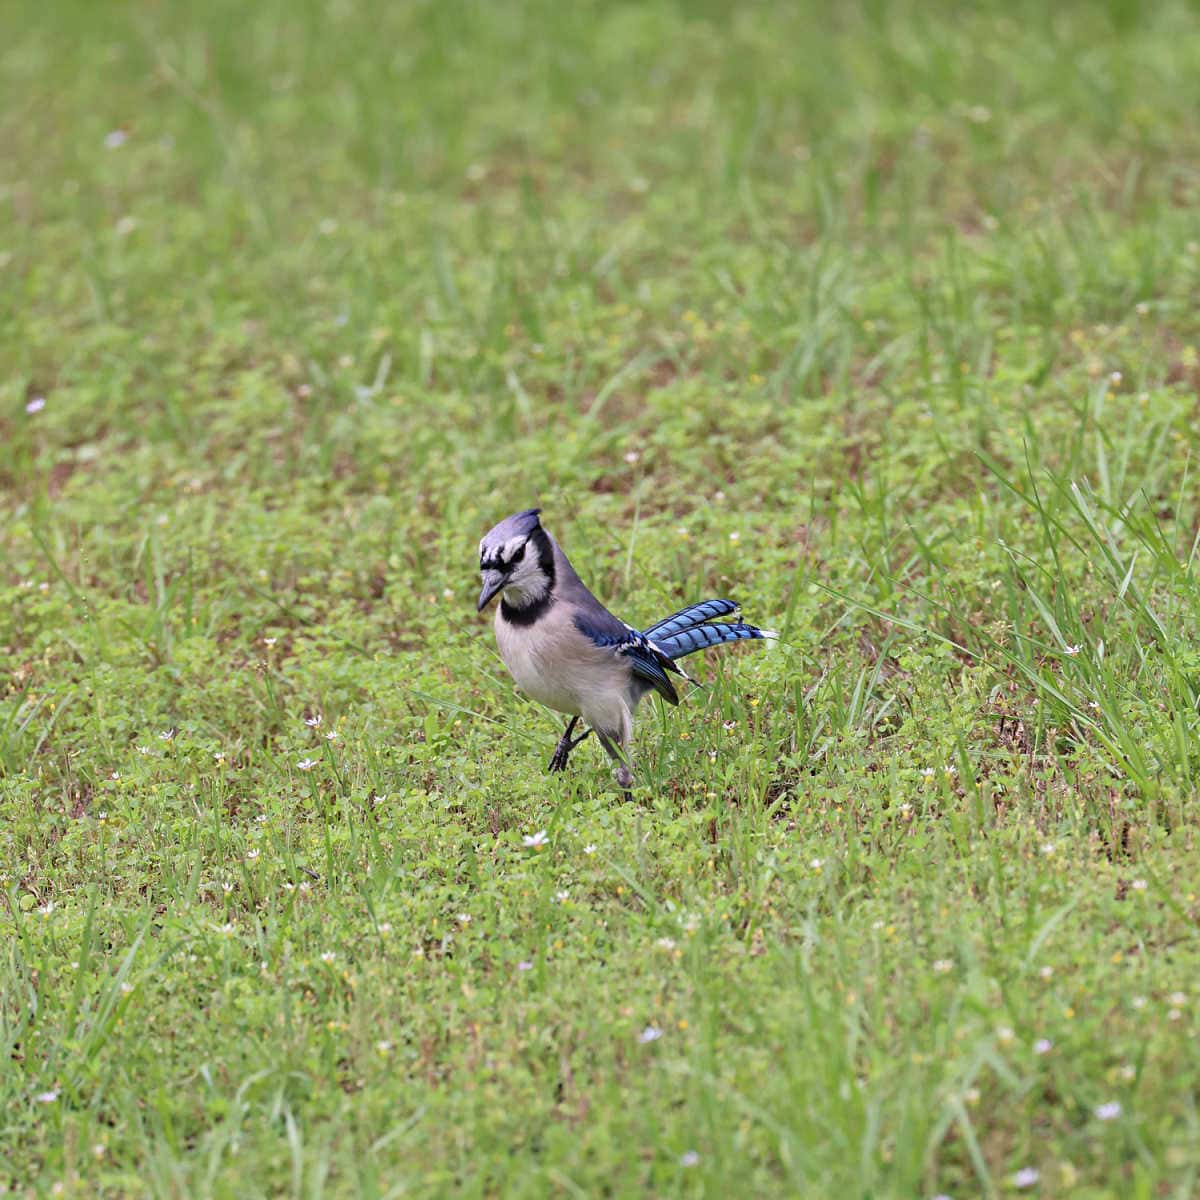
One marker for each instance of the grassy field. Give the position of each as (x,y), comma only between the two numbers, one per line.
(882,318)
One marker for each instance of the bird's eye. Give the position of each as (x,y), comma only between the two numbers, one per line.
(520,554)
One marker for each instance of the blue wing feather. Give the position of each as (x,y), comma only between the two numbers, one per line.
(648,666)
(685,618)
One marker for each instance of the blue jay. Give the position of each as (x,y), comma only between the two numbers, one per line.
(567,651)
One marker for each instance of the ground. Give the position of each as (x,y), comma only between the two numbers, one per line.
(880,318)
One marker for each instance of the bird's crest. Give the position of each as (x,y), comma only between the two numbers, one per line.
(499,542)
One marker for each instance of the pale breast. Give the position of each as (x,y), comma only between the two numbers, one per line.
(554,664)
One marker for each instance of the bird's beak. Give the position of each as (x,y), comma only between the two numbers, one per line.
(493,581)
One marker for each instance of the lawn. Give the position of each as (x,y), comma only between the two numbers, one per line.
(881,318)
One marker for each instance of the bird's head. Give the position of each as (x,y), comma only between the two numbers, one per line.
(516,558)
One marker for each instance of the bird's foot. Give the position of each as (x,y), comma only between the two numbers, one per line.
(566,743)
(558,760)
(625,782)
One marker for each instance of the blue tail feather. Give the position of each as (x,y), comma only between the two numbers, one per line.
(700,637)
(686,618)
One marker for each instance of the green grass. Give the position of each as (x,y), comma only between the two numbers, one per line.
(880,317)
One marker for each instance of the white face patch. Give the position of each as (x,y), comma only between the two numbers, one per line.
(502,555)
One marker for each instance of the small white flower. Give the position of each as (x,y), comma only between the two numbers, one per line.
(464,918)
(115,139)
(126,988)
(524,966)
(226,929)
(328,956)
(1128,1072)
(943,966)
(1043,1046)
(1179,999)
(166,735)
(384,1047)
(536,840)
(1073,649)
(251,855)
(125,226)
(307,764)
(313,721)
(650,1034)
(689,1158)
(666,943)
(1004,1035)
(927,772)
(305,887)
(332,736)
(35,405)
(816,864)
(1139,885)
(1046,972)
(270,641)
(1115,377)
(589,849)
(46,1097)
(47,908)
(631,457)
(1047,848)
(1141,309)
(227,887)
(562,896)
(735,536)
(1026,1177)
(1109,1111)
(1138,1002)
(385,928)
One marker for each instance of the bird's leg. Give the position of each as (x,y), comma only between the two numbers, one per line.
(566,744)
